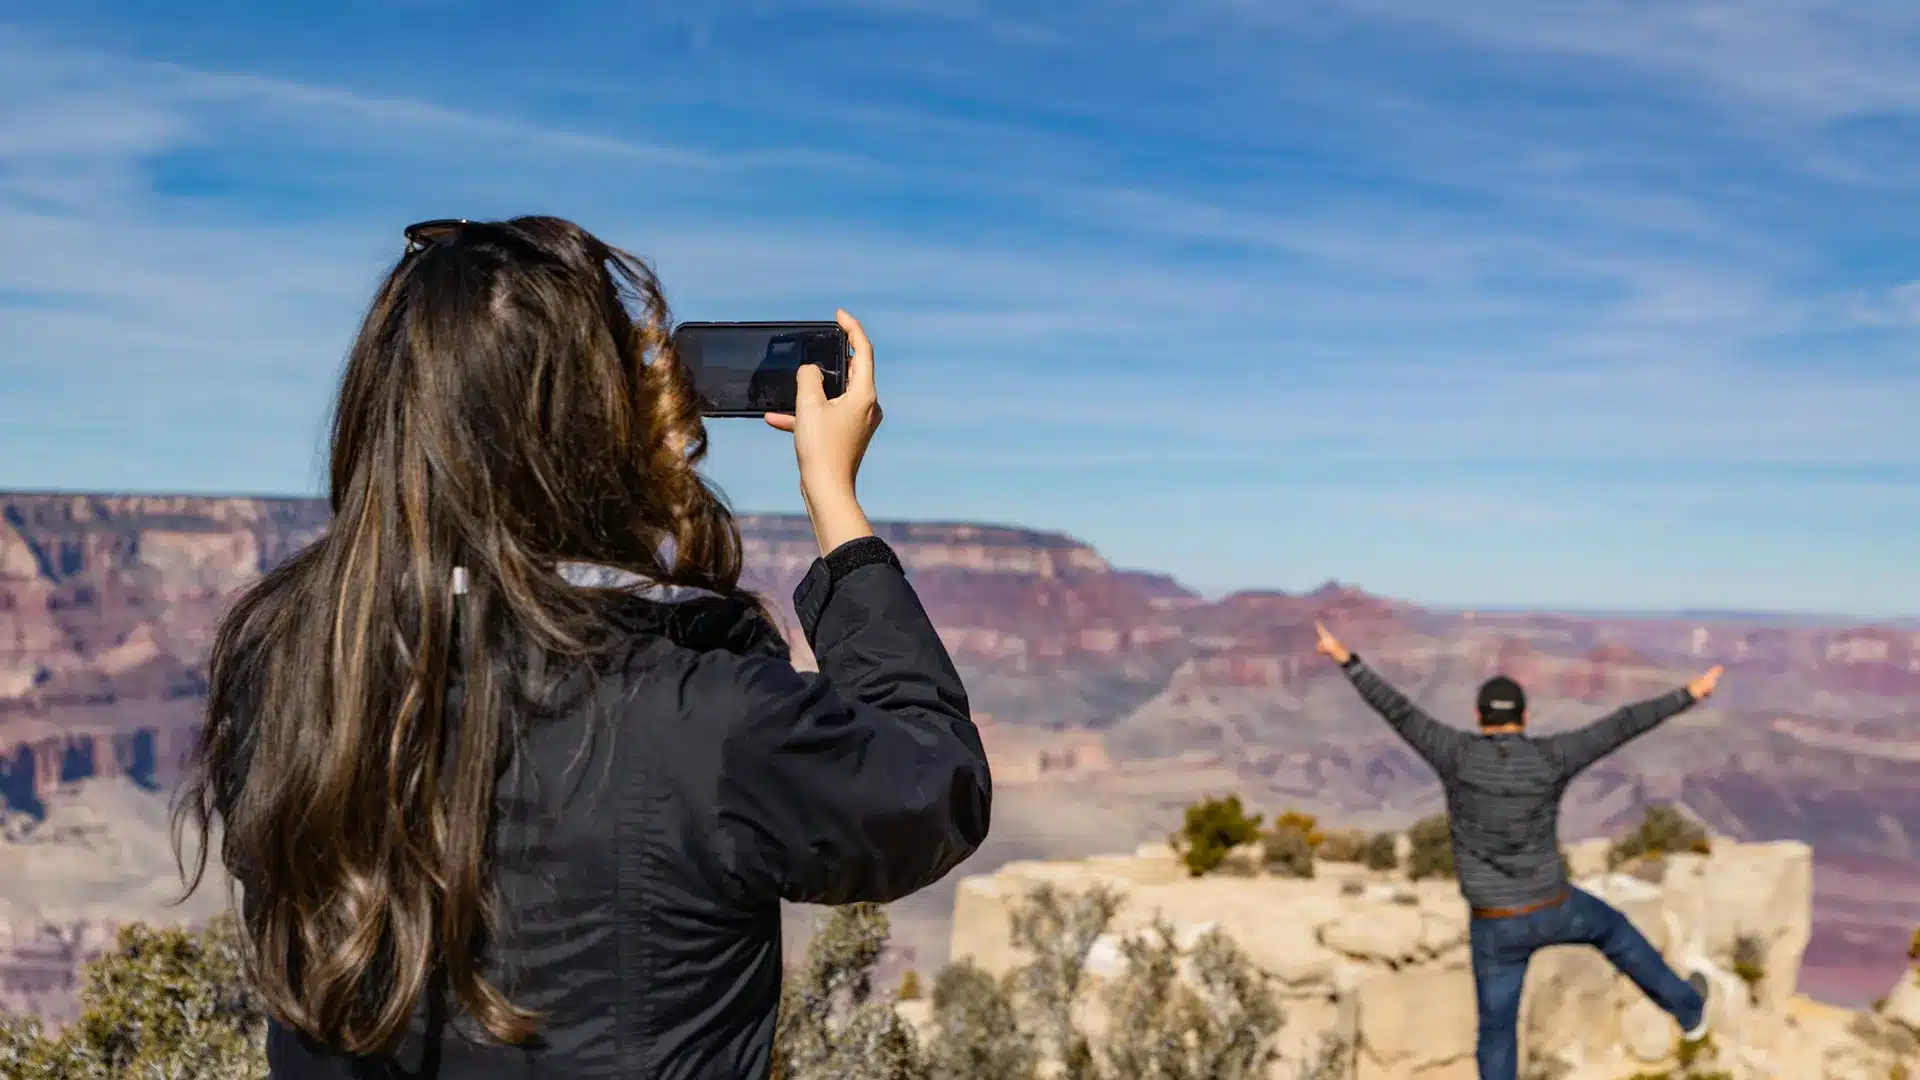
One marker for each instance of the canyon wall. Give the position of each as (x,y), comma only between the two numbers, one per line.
(1111,698)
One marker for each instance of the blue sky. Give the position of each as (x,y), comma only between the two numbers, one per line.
(1596,303)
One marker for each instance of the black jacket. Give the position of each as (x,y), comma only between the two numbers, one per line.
(641,862)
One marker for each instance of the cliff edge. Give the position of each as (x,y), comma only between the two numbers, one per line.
(1382,963)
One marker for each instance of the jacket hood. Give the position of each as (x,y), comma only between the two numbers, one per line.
(693,618)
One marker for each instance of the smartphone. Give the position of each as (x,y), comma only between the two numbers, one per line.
(749,368)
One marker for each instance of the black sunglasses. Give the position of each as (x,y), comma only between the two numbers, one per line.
(422,234)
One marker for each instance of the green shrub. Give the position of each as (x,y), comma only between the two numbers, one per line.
(1383,852)
(1432,849)
(1214,827)
(909,986)
(1663,831)
(1341,846)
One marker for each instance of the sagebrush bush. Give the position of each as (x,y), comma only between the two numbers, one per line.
(831,1024)
(1204,1015)
(1306,825)
(1165,1027)
(160,1005)
(1432,849)
(976,1033)
(1341,846)
(1058,930)
(1383,852)
(1288,853)
(174,1005)
(1663,831)
(1213,828)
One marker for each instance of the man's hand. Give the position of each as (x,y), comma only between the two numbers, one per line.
(1703,686)
(1330,646)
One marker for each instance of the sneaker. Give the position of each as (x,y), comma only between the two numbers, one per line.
(1698,980)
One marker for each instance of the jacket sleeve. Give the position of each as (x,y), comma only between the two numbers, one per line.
(1575,750)
(1432,740)
(866,781)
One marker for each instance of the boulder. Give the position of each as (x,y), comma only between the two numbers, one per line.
(1418,1022)
(1760,890)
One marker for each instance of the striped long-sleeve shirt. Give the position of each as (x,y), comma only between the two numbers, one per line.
(1503,791)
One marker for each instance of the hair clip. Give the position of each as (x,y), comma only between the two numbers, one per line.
(459,581)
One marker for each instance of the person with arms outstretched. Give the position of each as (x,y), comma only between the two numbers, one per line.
(1503,809)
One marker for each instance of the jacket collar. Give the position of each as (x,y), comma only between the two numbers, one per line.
(691,617)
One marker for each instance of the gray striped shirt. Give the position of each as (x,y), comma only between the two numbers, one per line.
(1503,791)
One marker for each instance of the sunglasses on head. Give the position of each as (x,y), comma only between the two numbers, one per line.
(423,234)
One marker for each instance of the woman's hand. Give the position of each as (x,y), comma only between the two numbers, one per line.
(830,437)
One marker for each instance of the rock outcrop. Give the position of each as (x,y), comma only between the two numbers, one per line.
(1383,963)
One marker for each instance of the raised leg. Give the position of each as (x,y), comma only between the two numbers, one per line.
(1595,922)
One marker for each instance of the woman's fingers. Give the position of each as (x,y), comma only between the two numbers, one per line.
(860,364)
(809,389)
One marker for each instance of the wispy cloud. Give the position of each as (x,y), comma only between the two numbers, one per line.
(1818,58)
(1105,248)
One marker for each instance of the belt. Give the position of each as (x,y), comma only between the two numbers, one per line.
(1523,909)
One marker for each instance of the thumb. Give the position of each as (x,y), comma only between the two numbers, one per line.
(810,391)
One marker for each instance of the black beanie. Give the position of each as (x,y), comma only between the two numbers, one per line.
(1501,702)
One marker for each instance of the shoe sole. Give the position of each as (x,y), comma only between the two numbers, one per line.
(1698,980)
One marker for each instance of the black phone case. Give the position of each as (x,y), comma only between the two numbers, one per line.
(834,379)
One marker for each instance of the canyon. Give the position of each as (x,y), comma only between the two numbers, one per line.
(1109,700)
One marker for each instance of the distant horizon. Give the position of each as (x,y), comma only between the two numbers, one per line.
(1901,621)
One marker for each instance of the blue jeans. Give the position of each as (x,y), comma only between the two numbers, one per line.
(1501,949)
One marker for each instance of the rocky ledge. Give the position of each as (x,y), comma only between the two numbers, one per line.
(1382,963)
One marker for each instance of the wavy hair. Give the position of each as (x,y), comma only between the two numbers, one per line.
(512,402)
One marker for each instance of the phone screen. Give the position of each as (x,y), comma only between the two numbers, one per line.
(748,369)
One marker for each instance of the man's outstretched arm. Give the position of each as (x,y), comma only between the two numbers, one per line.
(1576,750)
(1432,740)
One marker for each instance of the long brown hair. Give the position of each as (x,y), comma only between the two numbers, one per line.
(512,402)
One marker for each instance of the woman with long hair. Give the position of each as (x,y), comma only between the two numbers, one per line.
(501,799)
